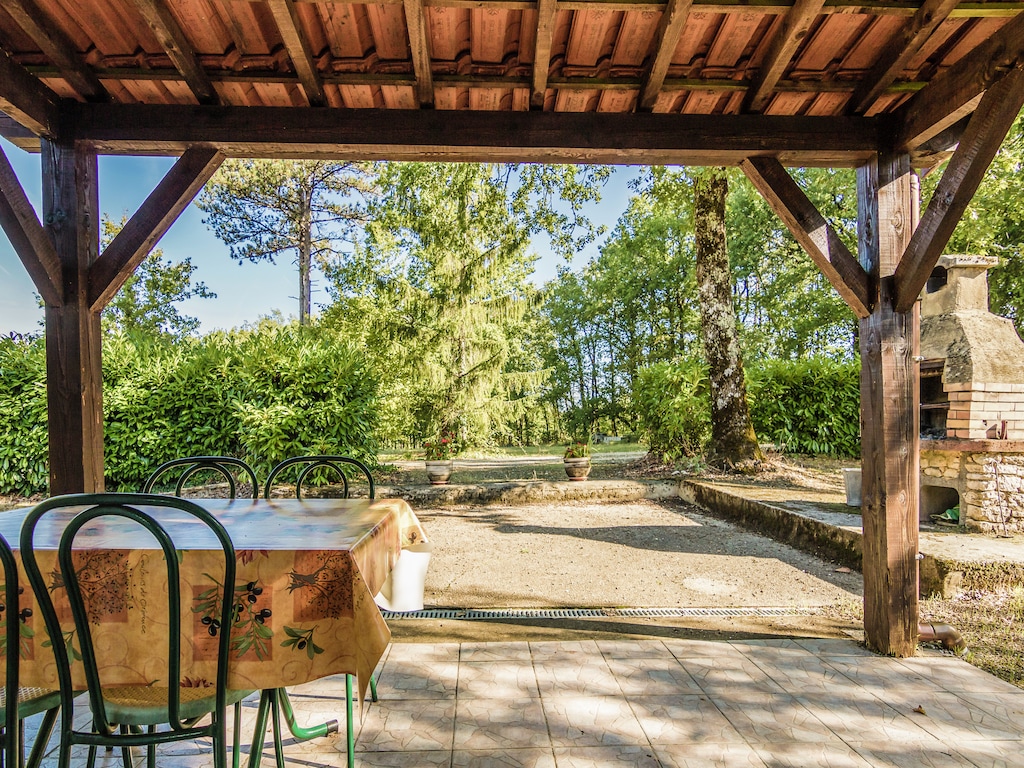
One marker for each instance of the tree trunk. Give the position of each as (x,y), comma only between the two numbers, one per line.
(305,265)
(733,442)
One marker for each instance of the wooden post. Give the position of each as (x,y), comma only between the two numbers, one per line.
(890,402)
(74,375)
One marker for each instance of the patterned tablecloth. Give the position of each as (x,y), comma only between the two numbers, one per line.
(307,574)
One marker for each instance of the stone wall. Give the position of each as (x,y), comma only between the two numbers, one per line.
(987,474)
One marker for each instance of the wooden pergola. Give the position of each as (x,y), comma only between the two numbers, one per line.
(883,86)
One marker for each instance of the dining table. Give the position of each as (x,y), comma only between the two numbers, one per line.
(307,573)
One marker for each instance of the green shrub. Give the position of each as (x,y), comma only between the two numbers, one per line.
(262,394)
(805,406)
(672,408)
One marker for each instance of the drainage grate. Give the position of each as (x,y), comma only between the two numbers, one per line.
(474,614)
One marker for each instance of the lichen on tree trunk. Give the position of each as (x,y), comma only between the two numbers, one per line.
(733,442)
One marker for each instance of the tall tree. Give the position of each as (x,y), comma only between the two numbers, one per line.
(733,442)
(146,303)
(264,209)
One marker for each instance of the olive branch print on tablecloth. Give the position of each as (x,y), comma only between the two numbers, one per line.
(249,630)
(326,590)
(302,639)
(25,632)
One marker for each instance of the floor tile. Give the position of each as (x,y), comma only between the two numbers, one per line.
(953,719)
(438,759)
(504,758)
(729,674)
(727,755)
(592,721)
(683,719)
(652,677)
(909,754)
(860,718)
(993,754)
(831,646)
(500,724)
(606,757)
(408,724)
(1005,706)
(701,649)
(768,717)
(408,679)
(497,680)
(957,675)
(424,652)
(567,677)
(828,755)
(553,649)
(634,649)
(495,652)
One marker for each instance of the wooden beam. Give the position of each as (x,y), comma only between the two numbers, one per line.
(26,100)
(419,48)
(151,221)
(74,370)
(794,28)
(30,241)
(443,135)
(890,421)
(897,52)
(964,173)
(57,47)
(177,46)
(666,38)
(542,52)
(955,93)
(811,230)
(287,19)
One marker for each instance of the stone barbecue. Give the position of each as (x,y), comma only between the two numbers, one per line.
(972,401)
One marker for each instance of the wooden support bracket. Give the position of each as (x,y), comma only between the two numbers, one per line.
(811,230)
(151,221)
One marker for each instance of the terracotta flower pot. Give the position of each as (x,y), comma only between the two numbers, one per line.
(438,472)
(577,469)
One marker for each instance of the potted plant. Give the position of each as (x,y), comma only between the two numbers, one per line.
(438,453)
(576,460)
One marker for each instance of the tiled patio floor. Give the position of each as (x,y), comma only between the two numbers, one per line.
(673,703)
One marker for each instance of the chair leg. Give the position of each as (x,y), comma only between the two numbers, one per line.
(260,731)
(236,737)
(126,752)
(300,733)
(35,757)
(151,751)
(349,722)
(373,688)
(275,710)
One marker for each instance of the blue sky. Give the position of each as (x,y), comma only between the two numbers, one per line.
(245,292)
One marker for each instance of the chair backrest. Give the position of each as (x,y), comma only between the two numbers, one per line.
(12,637)
(137,508)
(306,464)
(192,466)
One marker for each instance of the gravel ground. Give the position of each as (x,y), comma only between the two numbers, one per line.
(643,554)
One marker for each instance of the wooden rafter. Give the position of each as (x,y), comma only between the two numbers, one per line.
(57,47)
(31,242)
(177,46)
(287,19)
(978,145)
(666,38)
(473,136)
(153,218)
(419,48)
(26,100)
(812,231)
(542,52)
(898,51)
(955,93)
(794,28)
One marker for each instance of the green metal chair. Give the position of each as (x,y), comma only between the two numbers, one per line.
(120,713)
(27,701)
(306,465)
(180,471)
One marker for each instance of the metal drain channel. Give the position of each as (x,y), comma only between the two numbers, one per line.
(474,614)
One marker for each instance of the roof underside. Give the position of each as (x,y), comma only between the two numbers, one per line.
(202,61)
